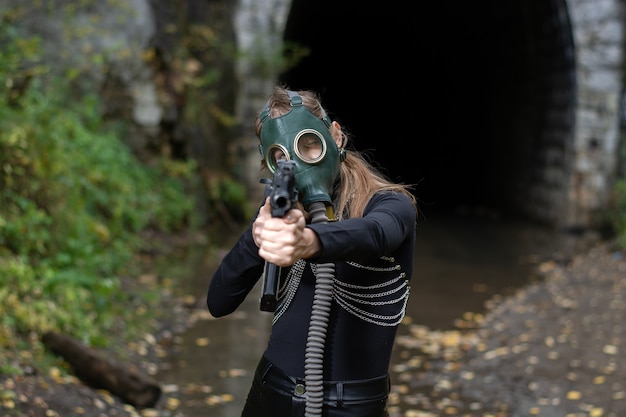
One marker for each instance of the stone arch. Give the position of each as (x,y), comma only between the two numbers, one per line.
(506,107)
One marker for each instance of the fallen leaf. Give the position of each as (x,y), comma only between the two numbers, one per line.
(574,395)
(202,341)
(610,349)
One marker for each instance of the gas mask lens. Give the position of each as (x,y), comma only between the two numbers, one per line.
(309,146)
(274,154)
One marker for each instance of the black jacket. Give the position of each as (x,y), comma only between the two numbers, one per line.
(372,259)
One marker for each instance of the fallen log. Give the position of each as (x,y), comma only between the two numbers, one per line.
(125,381)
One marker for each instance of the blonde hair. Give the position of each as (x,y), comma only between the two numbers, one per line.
(359,180)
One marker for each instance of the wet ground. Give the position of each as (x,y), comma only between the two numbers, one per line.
(550,342)
(462,262)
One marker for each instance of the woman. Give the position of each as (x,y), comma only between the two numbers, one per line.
(344,275)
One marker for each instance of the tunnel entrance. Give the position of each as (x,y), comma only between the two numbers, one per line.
(446,97)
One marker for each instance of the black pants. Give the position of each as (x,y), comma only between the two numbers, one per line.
(275,394)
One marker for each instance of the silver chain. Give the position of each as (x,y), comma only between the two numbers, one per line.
(288,290)
(374,268)
(349,299)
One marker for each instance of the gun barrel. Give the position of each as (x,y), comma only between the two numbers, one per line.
(281,204)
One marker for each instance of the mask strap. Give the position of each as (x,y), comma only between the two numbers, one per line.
(265,112)
(296,100)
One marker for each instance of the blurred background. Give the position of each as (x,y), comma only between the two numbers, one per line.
(128,162)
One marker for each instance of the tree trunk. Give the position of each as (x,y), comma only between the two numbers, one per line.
(122,380)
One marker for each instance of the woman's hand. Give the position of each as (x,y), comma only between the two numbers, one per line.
(282,241)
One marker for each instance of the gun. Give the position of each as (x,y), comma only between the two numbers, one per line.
(283,197)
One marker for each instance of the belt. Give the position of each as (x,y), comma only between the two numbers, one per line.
(335,391)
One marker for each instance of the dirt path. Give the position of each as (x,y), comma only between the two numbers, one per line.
(555,349)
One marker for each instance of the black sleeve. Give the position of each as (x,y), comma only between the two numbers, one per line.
(388,221)
(236,275)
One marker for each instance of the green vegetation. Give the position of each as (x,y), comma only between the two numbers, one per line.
(617,215)
(73,204)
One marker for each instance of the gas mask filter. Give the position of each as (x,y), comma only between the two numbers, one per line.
(302,137)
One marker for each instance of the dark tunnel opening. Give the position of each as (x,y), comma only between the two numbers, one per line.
(425,92)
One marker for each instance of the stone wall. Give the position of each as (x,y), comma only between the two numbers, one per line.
(598,32)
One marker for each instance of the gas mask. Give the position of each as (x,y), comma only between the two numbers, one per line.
(302,137)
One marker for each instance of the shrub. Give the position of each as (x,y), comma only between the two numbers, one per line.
(73,200)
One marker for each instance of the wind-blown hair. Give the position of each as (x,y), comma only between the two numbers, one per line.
(359,180)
